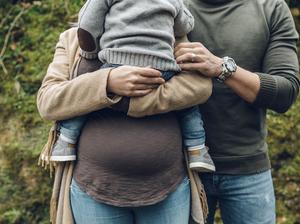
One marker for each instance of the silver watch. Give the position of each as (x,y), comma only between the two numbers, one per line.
(228,68)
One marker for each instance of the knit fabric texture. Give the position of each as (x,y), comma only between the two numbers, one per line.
(139,33)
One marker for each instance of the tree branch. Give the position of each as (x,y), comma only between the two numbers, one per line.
(7,36)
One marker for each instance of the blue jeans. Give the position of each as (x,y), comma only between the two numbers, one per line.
(175,209)
(243,199)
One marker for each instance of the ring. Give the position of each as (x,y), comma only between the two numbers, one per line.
(193,57)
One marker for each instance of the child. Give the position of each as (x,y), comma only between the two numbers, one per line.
(137,33)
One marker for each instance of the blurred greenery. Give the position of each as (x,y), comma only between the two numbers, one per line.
(28,33)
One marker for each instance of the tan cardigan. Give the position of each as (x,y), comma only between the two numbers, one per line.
(61,97)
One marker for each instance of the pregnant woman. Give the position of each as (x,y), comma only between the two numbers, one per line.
(128,170)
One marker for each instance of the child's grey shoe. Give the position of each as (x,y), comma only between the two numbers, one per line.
(200,160)
(63,151)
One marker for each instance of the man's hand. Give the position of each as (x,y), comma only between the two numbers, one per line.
(133,81)
(195,57)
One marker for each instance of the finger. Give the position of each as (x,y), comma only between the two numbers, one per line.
(195,50)
(188,45)
(191,66)
(148,72)
(189,57)
(137,93)
(149,80)
(182,51)
(144,87)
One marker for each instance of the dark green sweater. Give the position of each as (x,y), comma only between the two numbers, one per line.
(260,35)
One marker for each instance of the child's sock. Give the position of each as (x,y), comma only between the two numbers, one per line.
(197,147)
(66,139)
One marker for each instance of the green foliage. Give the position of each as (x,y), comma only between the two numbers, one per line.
(284,144)
(24,188)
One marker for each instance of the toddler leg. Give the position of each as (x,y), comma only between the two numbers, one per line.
(194,140)
(70,129)
(64,147)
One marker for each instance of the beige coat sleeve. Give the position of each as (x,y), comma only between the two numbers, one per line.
(60,98)
(182,91)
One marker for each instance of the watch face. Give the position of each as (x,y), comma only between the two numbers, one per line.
(230,65)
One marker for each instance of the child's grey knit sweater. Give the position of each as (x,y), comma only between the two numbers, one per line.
(133,32)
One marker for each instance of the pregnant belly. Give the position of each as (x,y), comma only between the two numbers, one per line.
(115,143)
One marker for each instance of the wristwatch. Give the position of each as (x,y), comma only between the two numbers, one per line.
(228,68)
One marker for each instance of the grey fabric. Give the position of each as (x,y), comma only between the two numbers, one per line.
(260,35)
(216,2)
(138,33)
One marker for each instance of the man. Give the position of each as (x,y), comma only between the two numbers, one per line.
(248,47)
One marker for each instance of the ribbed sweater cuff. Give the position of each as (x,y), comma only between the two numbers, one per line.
(268,90)
(88,55)
(113,56)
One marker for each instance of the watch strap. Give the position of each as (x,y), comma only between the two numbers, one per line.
(226,73)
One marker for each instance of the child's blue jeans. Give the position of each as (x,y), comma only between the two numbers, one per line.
(190,120)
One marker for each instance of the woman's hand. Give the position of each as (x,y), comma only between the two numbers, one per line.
(193,56)
(133,81)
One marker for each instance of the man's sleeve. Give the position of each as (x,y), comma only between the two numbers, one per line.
(279,84)
(91,27)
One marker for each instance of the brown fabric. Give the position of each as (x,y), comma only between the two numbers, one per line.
(126,161)
(86,40)
(87,65)
(122,105)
